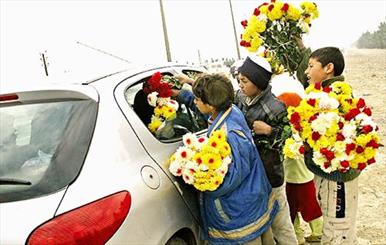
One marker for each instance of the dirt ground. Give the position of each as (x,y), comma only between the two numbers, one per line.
(366,71)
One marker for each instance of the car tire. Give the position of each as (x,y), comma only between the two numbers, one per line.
(176,241)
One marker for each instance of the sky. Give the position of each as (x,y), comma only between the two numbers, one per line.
(132,30)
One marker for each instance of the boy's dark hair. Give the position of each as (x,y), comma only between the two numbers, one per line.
(330,55)
(215,90)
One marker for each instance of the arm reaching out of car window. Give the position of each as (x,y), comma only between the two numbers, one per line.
(184,79)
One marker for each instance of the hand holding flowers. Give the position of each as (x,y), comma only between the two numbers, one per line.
(202,162)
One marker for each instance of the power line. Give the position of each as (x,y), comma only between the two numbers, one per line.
(101,51)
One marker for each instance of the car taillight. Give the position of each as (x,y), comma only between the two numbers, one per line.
(93,223)
(8,97)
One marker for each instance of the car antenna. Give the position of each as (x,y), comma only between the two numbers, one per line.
(45,62)
(103,52)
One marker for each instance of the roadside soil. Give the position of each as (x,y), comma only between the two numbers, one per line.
(366,72)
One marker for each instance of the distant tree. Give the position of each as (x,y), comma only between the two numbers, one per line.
(374,40)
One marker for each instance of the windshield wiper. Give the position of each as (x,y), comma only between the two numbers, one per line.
(10,181)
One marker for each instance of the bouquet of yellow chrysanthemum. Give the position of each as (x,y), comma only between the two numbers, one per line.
(278,27)
(337,127)
(202,162)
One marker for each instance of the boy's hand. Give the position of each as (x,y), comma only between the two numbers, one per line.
(261,127)
(307,147)
(175,93)
(184,79)
(299,42)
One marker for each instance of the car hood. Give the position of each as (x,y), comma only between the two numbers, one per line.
(19,219)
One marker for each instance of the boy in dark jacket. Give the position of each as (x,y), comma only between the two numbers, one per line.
(267,118)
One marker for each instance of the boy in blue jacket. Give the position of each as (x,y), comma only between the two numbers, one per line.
(241,210)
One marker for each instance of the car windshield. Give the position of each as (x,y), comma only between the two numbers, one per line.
(42,146)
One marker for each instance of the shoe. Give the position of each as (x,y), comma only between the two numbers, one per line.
(313,238)
(300,239)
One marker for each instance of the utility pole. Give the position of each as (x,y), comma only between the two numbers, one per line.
(234,30)
(199,56)
(168,55)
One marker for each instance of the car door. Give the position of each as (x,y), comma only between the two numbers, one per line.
(159,150)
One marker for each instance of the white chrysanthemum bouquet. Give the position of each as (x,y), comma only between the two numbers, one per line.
(202,162)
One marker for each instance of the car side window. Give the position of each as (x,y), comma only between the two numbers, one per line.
(186,120)
(191,73)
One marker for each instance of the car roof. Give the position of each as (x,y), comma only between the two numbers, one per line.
(50,90)
(68,83)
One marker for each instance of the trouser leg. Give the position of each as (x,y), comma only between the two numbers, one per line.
(265,239)
(316,226)
(282,227)
(339,203)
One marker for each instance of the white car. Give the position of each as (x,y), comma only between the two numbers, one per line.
(79,166)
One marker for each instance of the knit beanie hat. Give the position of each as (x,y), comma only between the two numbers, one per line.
(257,70)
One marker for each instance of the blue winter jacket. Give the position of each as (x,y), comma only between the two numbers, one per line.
(243,207)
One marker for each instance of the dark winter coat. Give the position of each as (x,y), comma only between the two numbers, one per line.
(269,109)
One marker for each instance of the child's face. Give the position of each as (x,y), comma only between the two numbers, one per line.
(315,72)
(204,108)
(247,87)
